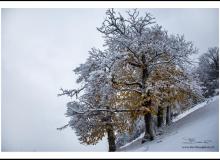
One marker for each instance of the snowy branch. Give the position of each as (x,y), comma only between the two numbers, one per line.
(63,127)
(71,93)
(109,110)
(130,90)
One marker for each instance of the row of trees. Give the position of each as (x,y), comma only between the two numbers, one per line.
(142,74)
(208,71)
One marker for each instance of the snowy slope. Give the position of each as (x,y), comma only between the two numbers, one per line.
(194,130)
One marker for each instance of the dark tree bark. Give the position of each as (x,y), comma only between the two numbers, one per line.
(110,133)
(168,115)
(149,127)
(148,118)
(160,119)
(111,139)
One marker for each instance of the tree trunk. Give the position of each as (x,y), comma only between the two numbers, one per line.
(160,119)
(149,127)
(111,139)
(168,115)
(148,119)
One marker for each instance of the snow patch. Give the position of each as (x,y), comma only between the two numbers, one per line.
(141,136)
(187,112)
(183,135)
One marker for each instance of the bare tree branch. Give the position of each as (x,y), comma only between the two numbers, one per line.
(63,127)
(71,93)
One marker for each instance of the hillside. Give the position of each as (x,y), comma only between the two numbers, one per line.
(194,130)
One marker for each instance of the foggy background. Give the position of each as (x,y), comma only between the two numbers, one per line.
(41,47)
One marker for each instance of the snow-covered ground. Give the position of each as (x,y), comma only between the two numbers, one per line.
(194,130)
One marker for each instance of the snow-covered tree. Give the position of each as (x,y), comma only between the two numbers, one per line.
(141,72)
(174,86)
(208,71)
(95,113)
(145,46)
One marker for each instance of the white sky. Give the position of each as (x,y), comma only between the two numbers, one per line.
(41,47)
